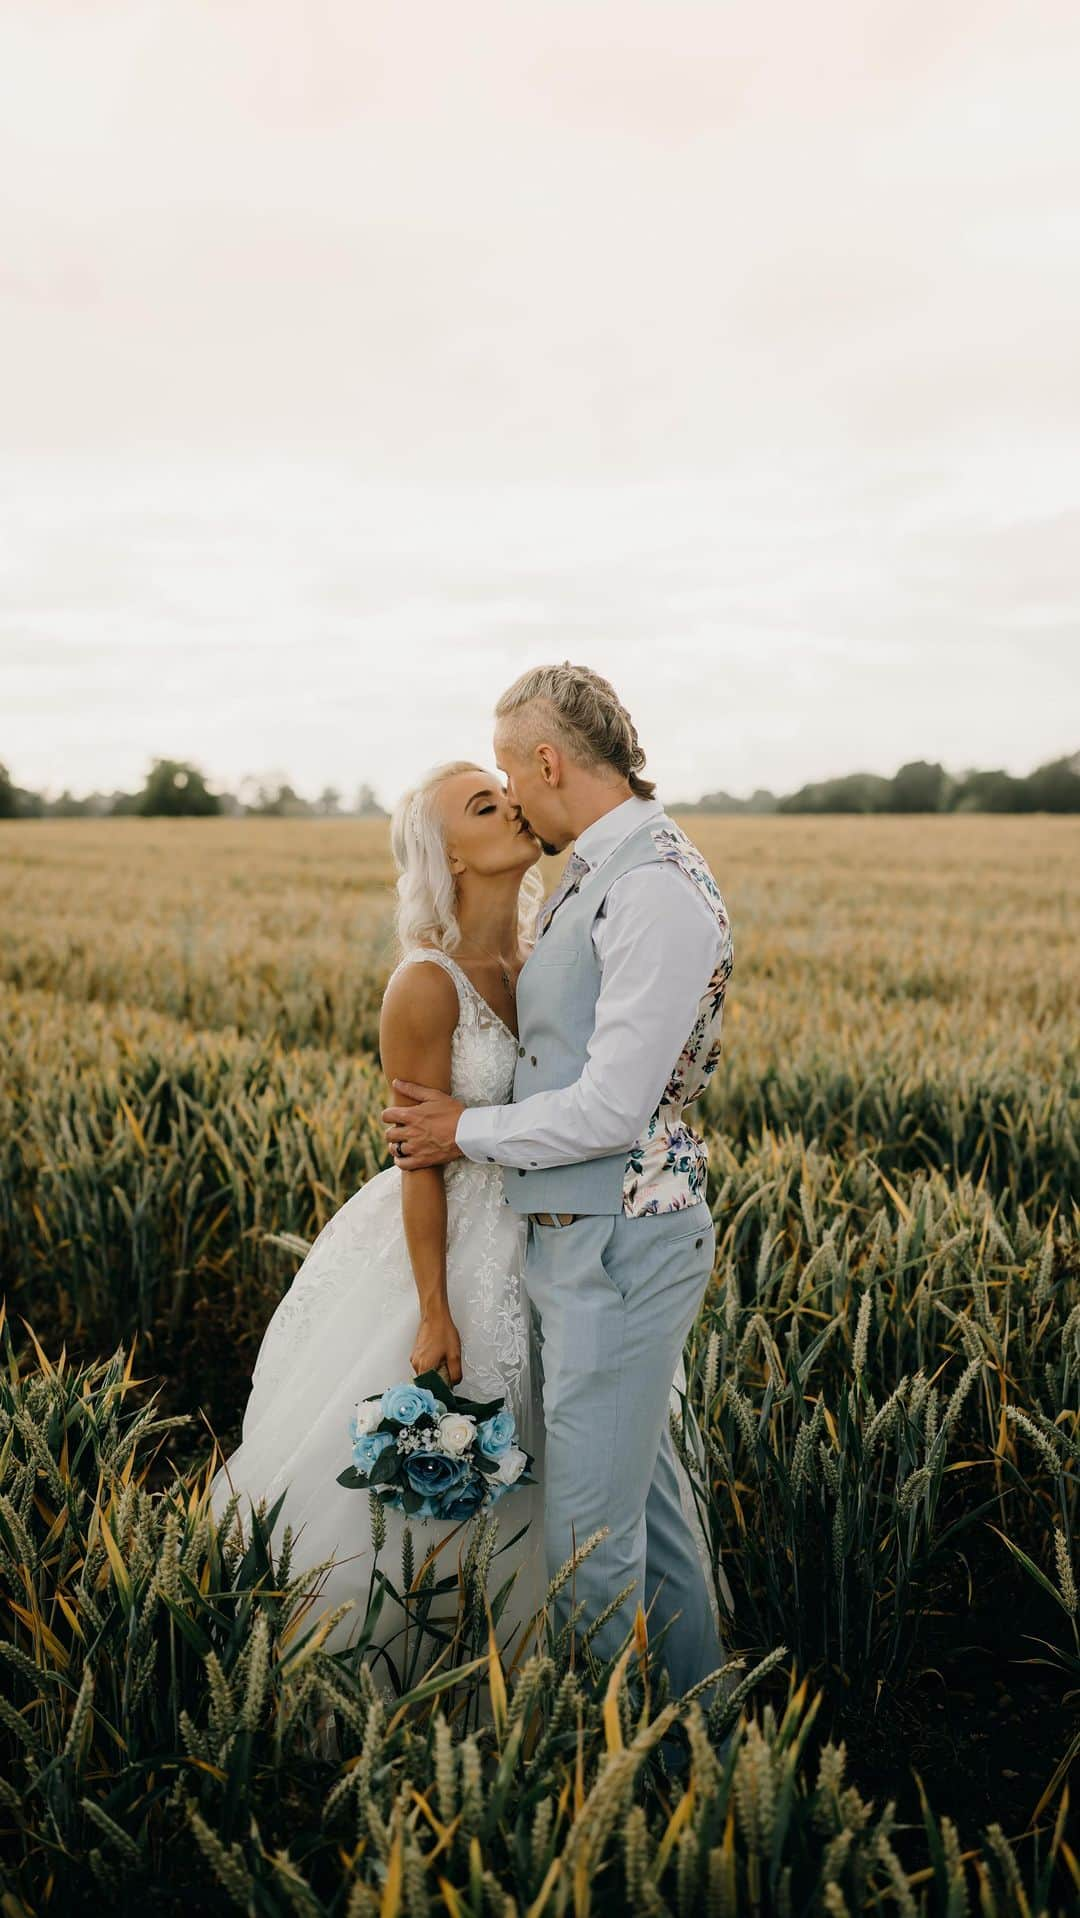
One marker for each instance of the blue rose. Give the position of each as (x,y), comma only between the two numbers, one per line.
(406,1402)
(367,1448)
(463,1500)
(433,1472)
(496,1435)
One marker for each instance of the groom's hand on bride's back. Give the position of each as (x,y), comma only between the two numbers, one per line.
(423,1134)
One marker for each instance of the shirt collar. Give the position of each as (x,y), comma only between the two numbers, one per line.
(607,833)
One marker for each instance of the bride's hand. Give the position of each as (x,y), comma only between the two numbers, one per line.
(437,1346)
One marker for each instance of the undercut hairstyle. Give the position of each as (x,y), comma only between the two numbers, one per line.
(581,713)
(426,913)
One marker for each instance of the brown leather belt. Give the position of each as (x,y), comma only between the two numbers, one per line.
(553,1218)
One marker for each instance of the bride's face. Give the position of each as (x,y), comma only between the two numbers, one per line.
(484,831)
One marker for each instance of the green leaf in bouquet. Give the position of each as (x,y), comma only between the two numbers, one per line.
(485,1410)
(353,1479)
(385,1466)
(411,1500)
(482,1464)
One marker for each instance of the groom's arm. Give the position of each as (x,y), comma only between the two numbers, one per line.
(658,944)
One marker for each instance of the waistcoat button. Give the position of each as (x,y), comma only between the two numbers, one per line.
(521,1052)
(533,1058)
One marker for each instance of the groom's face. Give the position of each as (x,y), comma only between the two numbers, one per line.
(536,800)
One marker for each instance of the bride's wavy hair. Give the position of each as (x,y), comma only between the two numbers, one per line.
(426,913)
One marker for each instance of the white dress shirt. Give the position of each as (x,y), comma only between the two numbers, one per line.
(657,943)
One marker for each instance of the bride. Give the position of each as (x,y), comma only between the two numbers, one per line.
(423,1272)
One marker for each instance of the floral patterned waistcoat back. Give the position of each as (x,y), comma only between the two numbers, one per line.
(665,1169)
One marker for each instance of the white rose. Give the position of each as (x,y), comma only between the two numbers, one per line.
(368,1415)
(457,1431)
(511,1464)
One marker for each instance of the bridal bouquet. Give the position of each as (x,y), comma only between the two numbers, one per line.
(429,1453)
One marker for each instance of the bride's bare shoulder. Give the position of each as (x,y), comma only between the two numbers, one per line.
(421,996)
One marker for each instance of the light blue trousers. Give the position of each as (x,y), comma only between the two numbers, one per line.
(615,1298)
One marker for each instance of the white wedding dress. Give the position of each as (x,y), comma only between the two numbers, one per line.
(345,1329)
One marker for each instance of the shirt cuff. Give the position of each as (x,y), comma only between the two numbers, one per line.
(475,1134)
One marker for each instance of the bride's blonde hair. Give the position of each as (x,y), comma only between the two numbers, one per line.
(426,913)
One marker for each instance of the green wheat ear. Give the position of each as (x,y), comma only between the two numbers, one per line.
(377,1516)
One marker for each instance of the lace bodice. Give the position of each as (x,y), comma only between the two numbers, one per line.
(483,1050)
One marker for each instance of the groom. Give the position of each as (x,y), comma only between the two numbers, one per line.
(619,1006)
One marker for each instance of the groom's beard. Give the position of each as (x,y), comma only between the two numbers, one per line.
(544,844)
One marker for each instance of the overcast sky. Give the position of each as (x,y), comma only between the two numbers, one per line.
(354,357)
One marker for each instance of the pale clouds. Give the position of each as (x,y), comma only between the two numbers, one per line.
(356,357)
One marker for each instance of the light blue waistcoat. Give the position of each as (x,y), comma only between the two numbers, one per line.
(665,1169)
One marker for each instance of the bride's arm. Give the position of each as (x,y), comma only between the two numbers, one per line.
(416,1025)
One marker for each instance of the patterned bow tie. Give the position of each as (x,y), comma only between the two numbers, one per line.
(573,872)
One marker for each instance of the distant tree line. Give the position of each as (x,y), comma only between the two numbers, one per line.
(175,788)
(921,786)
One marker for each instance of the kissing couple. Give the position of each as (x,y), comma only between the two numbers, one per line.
(542,1233)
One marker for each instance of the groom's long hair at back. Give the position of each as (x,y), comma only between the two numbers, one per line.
(583,714)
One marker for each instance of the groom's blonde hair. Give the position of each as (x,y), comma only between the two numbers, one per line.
(576,709)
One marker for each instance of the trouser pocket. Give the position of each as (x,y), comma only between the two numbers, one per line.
(660,1252)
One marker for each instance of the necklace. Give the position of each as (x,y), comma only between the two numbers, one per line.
(503,971)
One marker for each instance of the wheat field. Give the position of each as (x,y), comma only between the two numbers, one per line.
(886,1372)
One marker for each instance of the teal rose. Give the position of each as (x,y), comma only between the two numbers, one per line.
(367,1448)
(464,1499)
(406,1403)
(433,1473)
(496,1434)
